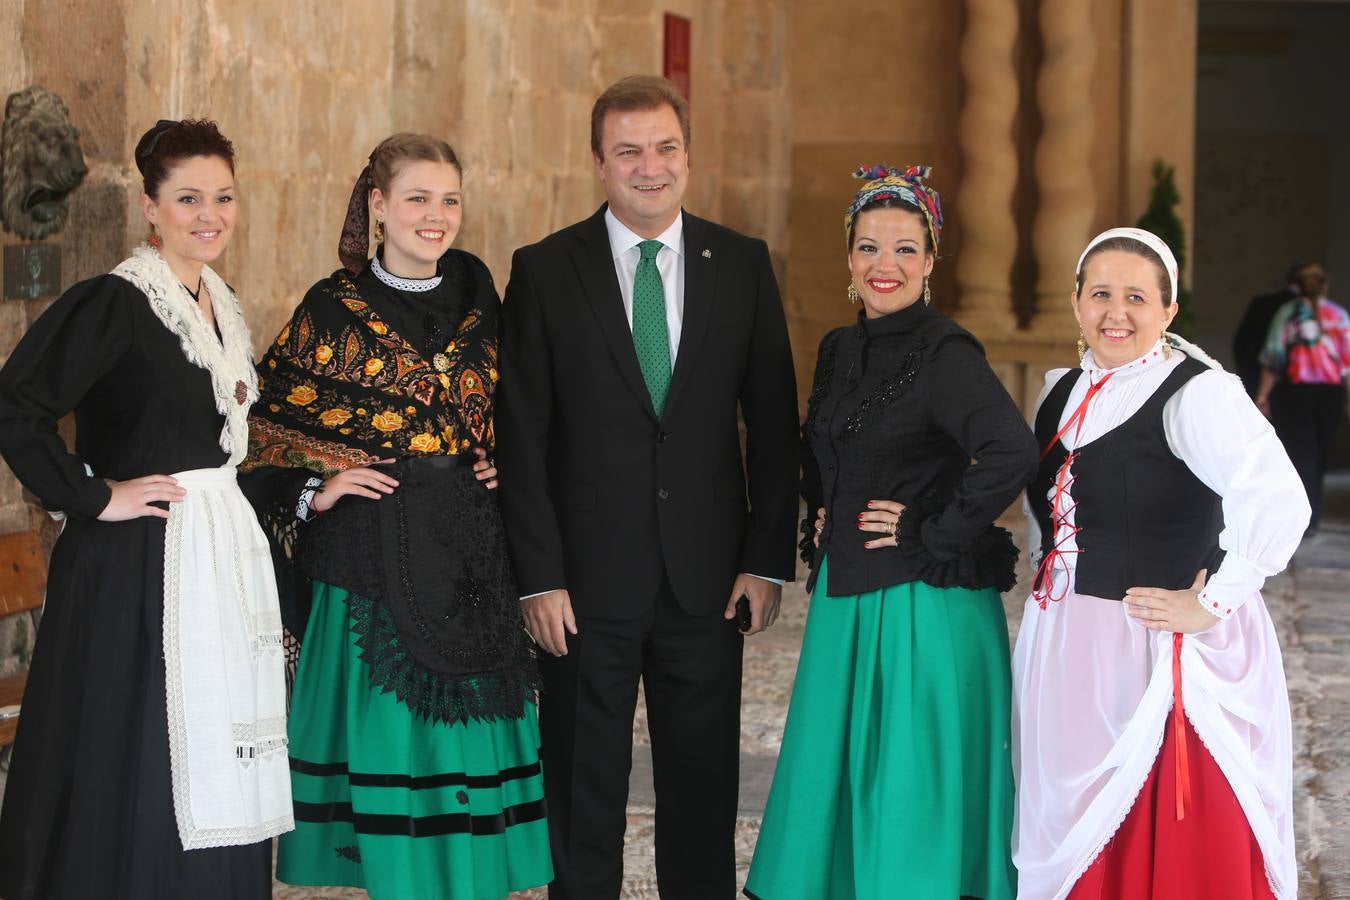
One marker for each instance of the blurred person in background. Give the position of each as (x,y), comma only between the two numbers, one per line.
(1305,371)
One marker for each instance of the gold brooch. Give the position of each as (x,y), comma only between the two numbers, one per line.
(441,362)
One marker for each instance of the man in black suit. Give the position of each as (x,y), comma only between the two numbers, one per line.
(1250,336)
(630,340)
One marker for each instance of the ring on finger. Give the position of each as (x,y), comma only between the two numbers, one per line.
(890,527)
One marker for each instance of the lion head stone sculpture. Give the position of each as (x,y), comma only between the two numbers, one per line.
(40,163)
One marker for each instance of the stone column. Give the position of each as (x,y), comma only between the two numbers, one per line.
(988,229)
(1063,161)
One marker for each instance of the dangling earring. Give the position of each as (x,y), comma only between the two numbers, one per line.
(1082,345)
(852,293)
(1167,345)
(153,241)
(379,231)
(927,293)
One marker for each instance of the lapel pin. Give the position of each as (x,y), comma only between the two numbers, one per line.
(707,254)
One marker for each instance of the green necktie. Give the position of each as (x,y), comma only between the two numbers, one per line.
(651,338)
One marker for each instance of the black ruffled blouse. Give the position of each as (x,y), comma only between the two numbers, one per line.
(906,408)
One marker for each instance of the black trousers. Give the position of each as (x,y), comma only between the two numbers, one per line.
(690,667)
(1305,417)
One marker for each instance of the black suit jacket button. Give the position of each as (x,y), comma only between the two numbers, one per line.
(663,493)
(661,437)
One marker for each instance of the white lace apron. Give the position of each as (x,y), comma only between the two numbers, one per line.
(224,666)
(225,671)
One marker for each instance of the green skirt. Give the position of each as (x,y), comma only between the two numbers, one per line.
(396,804)
(895,778)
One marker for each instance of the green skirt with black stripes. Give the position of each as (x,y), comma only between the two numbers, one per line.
(399,805)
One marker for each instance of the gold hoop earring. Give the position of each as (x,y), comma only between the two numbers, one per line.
(1082,345)
(927,293)
(852,293)
(1167,345)
(379,231)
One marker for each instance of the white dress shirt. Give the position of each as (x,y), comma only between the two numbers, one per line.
(623,246)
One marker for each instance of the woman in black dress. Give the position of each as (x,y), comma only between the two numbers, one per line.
(154,721)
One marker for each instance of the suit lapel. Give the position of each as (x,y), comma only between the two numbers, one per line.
(595,266)
(700,286)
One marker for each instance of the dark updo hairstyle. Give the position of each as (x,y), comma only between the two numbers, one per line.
(168,143)
(1138,248)
(386,161)
(893,202)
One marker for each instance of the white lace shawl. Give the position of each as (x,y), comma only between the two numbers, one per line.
(229,360)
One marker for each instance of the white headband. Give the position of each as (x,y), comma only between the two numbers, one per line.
(1148,239)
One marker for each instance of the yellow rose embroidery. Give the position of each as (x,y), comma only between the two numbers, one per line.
(492,373)
(387,444)
(445,381)
(411,410)
(334,417)
(274,407)
(284,336)
(322,354)
(374,365)
(302,395)
(361,411)
(387,421)
(271,364)
(425,443)
(379,328)
(344,431)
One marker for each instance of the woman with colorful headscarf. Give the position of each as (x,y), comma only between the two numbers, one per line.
(894,777)
(414,741)
(1151,730)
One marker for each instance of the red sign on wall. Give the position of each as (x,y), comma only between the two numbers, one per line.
(676,59)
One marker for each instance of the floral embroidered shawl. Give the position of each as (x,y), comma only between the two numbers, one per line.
(432,595)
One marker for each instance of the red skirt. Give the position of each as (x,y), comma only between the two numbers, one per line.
(1211,853)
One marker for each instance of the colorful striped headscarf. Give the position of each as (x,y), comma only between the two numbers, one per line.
(884,182)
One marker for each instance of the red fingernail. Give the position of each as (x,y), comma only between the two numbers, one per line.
(871,503)
(860,515)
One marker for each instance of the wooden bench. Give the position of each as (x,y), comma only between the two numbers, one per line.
(23,584)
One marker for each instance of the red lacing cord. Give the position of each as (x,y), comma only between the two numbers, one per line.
(1043,591)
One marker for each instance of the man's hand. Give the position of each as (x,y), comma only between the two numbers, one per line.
(485,469)
(1176,611)
(549,619)
(765,597)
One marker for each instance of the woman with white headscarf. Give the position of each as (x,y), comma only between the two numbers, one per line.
(1151,731)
